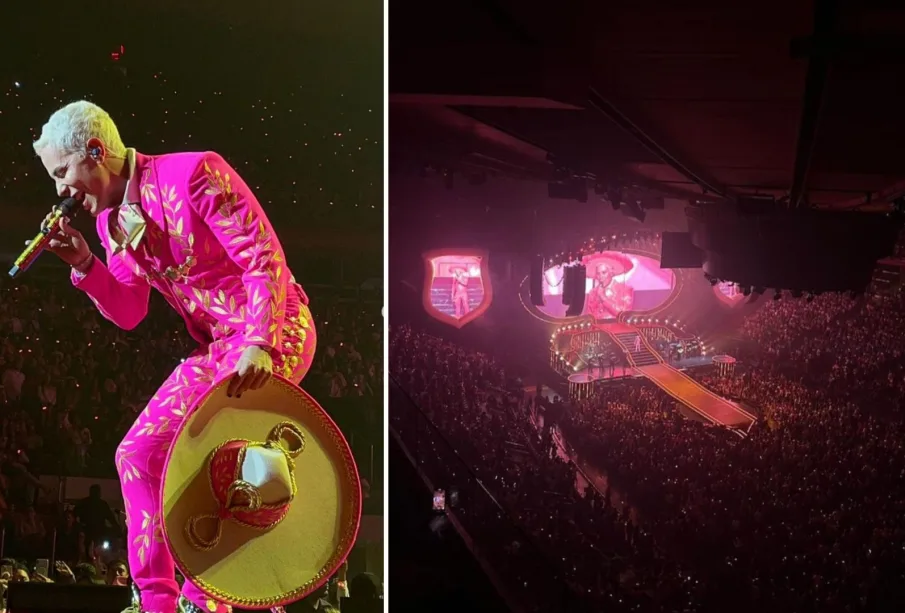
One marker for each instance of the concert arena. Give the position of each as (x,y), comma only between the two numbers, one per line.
(645,301)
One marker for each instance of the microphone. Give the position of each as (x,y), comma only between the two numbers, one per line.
(67,208)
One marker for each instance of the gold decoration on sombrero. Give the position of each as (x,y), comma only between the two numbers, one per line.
(242,501)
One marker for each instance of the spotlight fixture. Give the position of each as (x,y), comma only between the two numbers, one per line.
(633,210)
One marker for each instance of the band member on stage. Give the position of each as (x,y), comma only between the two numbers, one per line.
(188,226)
(460,292)
(609,297)
(637,343)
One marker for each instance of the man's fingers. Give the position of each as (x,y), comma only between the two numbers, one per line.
(233,385)
(67,229)
(246,382)
(260,380)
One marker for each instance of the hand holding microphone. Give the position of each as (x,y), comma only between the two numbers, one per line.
(65,241)
(58,236)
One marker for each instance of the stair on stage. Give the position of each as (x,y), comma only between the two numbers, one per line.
(644,356)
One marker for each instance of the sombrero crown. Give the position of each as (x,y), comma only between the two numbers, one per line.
(253,483)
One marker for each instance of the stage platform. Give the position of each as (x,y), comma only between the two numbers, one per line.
(589,375)
(646,362)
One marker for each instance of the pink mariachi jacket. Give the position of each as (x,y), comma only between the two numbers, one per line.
(192,229)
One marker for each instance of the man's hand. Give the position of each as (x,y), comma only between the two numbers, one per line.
(254,369)
(67,242)
(63,569)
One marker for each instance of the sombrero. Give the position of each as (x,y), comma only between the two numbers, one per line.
(617,263)
(261,499)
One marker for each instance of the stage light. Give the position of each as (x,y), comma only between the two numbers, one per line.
(633,210)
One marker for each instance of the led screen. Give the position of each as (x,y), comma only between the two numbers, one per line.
(616,282)
(457,289)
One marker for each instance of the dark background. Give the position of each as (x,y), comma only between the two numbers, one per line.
(292,96)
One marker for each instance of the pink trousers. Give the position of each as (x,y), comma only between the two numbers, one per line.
(141,455)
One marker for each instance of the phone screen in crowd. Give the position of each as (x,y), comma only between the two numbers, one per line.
(439,500)
(42,566)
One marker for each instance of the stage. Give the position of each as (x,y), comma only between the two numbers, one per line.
(589,375)
(591,354)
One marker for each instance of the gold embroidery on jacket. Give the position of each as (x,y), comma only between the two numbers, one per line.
(257,255)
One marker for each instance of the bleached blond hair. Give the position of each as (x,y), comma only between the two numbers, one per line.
(71,127)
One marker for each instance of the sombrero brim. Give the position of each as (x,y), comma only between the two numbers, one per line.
(618,263)
(253,568)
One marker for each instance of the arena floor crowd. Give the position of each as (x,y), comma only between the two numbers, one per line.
(804,514)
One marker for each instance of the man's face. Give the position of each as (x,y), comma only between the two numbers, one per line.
(604,276)
(78,176)
(117,575)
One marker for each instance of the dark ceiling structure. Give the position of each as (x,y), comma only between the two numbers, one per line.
(699,100)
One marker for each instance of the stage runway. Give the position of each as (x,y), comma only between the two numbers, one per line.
(697,397)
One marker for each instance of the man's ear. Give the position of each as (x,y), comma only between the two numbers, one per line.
(96,150)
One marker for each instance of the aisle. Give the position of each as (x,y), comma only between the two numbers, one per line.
(587,475)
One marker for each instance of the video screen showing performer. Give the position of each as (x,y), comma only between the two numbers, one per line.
(608,296)
(456,285)
(616,283)
(460,292)
(186,225)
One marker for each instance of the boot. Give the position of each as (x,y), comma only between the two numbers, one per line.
(186,606)
(135,607)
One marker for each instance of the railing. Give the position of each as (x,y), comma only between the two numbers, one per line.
(526,577)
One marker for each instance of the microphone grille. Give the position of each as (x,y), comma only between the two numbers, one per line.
(68,205)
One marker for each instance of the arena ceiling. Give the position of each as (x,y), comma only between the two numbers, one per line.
(790,98)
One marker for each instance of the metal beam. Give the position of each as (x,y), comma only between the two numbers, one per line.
(454,100)
(815,85)
(616,116)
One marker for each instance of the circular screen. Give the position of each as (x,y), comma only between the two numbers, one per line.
(616,282)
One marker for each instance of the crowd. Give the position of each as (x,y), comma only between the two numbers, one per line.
(853,347)
(803,514)
(71,384)
(608,561)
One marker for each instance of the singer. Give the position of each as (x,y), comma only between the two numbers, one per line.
(188,226)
